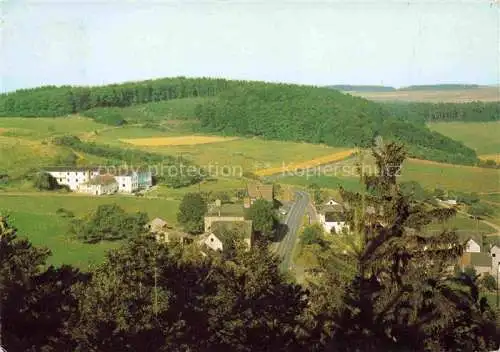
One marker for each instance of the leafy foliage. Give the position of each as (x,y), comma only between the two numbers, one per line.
(264,218)
(109,223)
(313,234)
(321,115)
(191,213)
(395,291)
(45,181)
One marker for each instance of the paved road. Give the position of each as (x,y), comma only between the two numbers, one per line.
(284,249)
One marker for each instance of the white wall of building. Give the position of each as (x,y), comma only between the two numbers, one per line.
(472,246)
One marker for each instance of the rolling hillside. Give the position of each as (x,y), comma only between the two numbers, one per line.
(242,108)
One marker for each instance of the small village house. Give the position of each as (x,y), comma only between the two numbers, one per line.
(471,246)
(258,191)
(332,219)
(218,228)
(133,181)
(99,185)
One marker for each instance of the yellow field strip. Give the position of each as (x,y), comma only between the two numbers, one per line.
(495,157)
(327,159)
(173,141)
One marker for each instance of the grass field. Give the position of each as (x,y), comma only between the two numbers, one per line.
(35,217)
(495,157)
(39,128)
(176,141)
(327,159)
(18,155)
(483,137)
(454,95)
(429,174)
(248,154)
(157,111)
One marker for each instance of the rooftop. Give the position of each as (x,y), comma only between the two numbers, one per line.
(264,191)
(101,180)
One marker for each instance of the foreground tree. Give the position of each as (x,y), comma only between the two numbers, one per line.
(396,289)
(109,222)
(191,213)
(147,297)
(35,304)
(264,218)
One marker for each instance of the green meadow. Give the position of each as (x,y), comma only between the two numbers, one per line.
(35,217)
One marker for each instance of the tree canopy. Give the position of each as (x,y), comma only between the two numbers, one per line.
(191,213)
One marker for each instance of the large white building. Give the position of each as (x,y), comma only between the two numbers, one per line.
(73,177)
(86,180)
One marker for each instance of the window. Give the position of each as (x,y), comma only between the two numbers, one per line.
(211,240)
(493,255)
(123,185)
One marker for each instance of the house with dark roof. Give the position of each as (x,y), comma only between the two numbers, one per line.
(258,191)
(332,218)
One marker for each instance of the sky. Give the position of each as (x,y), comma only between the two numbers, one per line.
(384,42)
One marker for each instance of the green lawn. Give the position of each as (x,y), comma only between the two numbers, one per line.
(35,217)
(39,128)
(481,136)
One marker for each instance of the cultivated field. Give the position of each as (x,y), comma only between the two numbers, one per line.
(484,137)
(175,141)
(34,215)
(437,96)
(495,157)
(327,159)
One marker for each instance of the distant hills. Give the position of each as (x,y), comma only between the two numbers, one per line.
(376,88)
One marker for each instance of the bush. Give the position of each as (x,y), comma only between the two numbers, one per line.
(45,182)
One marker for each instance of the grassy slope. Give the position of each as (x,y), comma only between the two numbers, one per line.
(35,217)
(484,137)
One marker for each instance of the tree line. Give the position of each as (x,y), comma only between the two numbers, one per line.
(383,286)
(53,101)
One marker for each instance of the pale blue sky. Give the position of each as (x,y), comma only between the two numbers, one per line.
(386,42)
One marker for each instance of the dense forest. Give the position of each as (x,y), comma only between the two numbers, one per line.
(320,115)
(51,101)
(445,112)
(268,110)
(382,287)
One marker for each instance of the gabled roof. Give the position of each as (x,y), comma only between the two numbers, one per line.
(257,191)
(157,225)
(101,180)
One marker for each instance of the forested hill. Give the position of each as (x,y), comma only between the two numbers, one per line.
(51,101)
(268,110)
(321,115)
